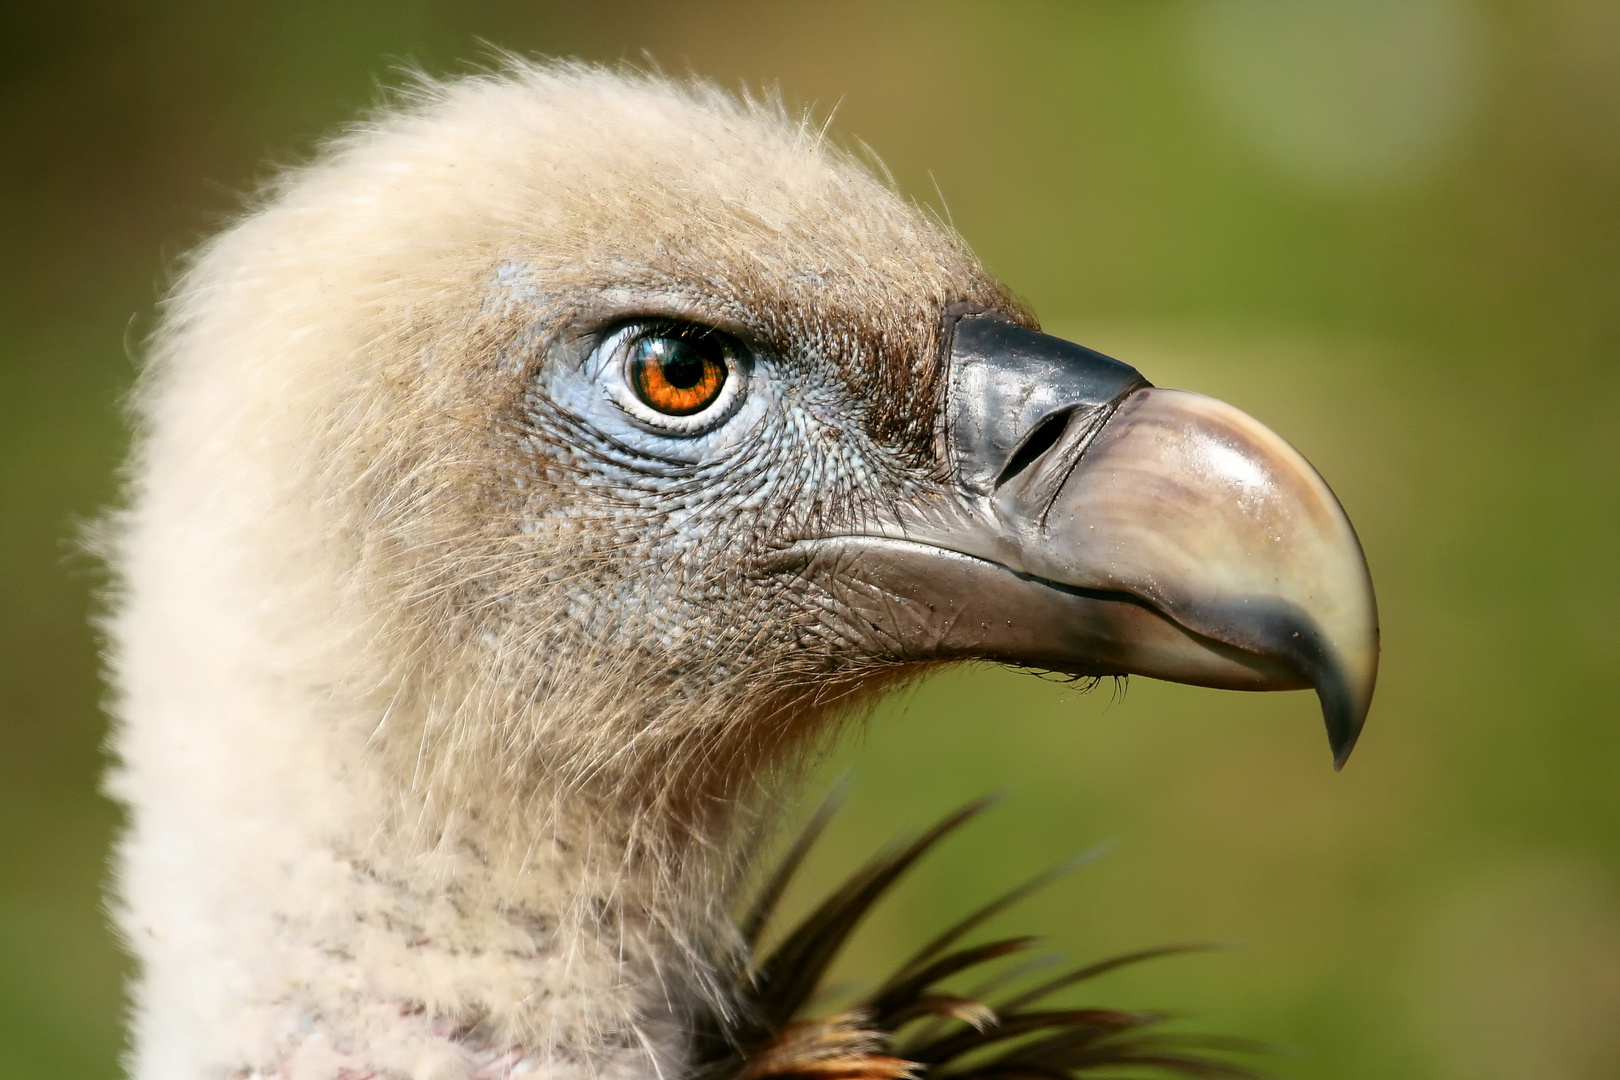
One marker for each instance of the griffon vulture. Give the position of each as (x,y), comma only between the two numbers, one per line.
(521,488)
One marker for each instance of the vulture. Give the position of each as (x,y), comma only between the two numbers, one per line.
(523,490)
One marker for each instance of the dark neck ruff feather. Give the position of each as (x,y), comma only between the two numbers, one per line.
(917,1024)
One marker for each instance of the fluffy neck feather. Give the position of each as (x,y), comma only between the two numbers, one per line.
(301,909)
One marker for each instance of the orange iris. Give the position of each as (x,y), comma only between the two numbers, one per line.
(677,376)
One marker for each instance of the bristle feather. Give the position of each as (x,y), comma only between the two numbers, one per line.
(792,972)
(955,1037)
(764,905)
(1100,967)
(893,996)
(958,930)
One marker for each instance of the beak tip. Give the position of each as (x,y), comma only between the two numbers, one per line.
(1344,723)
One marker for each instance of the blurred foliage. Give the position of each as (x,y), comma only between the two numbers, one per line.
(1386,227)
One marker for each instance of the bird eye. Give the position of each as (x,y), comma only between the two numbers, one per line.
(677,375)
(674,378)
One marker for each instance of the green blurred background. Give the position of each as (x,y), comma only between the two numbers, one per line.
(1389,228)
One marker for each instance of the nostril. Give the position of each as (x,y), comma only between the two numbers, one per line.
(1038,442)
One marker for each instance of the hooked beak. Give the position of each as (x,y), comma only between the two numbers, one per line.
(1101,526)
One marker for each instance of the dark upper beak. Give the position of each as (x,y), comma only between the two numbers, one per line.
(1099,525)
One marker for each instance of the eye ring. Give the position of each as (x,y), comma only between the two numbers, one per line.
(672,377)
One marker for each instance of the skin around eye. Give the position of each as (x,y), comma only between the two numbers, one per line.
(677,376)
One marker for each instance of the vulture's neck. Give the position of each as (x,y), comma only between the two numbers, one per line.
(325,910)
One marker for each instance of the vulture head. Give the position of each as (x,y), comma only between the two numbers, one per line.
(525,485)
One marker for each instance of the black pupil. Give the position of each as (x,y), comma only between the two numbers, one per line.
(683,361)
(682,365)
